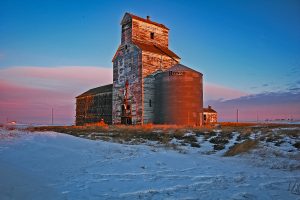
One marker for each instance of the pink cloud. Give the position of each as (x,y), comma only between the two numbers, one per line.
(25,104)
(27,94)
(258,112)
(70,77)
(271,106)
(215,92)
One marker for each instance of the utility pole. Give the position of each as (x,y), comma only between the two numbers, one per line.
(237,115)
(52,116)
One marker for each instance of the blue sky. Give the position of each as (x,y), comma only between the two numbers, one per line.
(249,46)
(253,43)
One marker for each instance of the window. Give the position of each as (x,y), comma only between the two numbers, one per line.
(152,35)
(150,103)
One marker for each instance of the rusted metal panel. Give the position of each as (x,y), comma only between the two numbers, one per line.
(149,99)
(179,97)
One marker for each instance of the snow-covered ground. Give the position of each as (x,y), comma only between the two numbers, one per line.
(48,165)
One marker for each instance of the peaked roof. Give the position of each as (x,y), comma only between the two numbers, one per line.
(155,49)
(209,109)
(180,67)
(101,89)
(146,20)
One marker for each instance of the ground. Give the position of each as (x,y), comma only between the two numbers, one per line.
(51,165)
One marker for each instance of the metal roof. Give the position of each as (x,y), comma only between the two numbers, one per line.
(147,21)
(151,47)
(97,90)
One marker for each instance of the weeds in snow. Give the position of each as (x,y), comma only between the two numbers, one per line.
(243,147)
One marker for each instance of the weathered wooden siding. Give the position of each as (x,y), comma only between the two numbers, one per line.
(141,31)
(93,108)
(210,117)
(126,33)
(153,62)
(133,62)
(127,66)
(142,57)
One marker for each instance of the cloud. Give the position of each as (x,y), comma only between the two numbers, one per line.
(272,105)
(70,77)
(25,104)
(218,92)
(27,94)
(295,89)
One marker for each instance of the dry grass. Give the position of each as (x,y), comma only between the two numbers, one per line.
(163,134)
(241,147)
(72,130)
(294,133)
(177,131)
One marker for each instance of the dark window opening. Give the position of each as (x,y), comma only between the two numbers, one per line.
(152,35)
(150,103)
(126,46)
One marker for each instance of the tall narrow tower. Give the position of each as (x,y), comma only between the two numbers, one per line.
(144,49)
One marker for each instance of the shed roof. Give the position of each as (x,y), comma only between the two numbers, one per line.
(180,67)
(97,90)
(153,48)
(209,109)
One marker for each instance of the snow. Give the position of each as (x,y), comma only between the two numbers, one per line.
(189,134)
(49,165)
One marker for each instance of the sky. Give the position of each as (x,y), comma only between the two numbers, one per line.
(53,50)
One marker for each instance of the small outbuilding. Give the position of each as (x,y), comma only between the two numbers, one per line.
(94,105)
(210,115)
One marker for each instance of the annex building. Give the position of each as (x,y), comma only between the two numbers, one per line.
(150,85)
